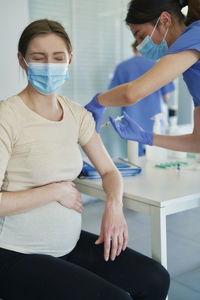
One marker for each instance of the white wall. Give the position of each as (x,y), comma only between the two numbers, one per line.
(13,19)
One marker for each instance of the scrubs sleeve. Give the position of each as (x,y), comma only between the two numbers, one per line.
(167,89)
(188,40)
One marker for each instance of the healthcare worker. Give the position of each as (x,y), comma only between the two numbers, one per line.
(162,32)
(143,111)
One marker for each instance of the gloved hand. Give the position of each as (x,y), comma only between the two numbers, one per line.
(128,129)
(97,111)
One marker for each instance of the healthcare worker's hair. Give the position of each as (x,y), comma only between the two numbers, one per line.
(42,26)
(134,45)
(193,11)
(143,11)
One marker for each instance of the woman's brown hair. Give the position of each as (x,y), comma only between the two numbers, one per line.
(42,26)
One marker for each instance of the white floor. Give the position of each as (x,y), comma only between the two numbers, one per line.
(183,239)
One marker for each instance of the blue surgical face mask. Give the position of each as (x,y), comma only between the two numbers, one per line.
(47,78)
(150,50)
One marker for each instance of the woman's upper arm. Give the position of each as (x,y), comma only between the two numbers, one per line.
(166,70)
(98,155)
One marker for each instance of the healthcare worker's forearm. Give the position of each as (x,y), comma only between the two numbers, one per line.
(21,201)
(115,97)
(184,143)
(165,71)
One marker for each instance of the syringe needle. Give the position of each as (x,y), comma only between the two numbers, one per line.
(108,123)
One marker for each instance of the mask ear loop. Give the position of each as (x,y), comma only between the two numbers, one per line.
(25,61)
(166,34)
(155,27)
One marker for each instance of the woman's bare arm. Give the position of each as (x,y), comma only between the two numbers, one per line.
(64,192)
(113,223)
(21,201)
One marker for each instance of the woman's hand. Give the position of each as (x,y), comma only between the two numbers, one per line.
(68,196)
(113,229)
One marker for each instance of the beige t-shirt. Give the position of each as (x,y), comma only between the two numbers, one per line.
(34,152)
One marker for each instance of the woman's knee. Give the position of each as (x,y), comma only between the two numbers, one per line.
(159,281)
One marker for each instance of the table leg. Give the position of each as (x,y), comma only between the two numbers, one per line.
(159,235)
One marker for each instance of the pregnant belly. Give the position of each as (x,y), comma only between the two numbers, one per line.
(50,229)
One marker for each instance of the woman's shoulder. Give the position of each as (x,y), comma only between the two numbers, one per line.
(7,107)
(68,102)
(9,118)
(72,106)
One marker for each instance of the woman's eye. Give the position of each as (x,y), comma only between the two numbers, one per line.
(59,58)
(37,58)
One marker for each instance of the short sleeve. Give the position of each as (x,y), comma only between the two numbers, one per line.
(87,127)
(6,139)
(188,40)
(167,89)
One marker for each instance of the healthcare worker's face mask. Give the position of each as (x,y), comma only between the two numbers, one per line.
(150,50)
(47,78)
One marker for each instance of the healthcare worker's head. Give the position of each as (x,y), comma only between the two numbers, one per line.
(45,53)
(156,24)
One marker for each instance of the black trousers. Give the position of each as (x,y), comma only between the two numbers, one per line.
(81,275)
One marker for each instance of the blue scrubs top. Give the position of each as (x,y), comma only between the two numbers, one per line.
(144,110)
(190,40)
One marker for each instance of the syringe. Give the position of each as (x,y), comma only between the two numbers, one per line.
(108,123)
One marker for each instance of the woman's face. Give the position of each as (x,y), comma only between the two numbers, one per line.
(47,48)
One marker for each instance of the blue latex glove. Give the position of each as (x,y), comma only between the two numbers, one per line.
(128,129)
(97,111)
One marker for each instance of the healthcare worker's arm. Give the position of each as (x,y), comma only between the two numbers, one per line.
(185,143)
(165,71)
(114,227)
(128,129)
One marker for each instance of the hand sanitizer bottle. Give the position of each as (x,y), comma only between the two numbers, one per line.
(155,153)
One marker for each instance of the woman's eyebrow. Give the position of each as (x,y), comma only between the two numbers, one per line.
(41,53)
(59,52)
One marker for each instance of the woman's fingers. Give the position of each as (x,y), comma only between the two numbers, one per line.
(79,209)
(78,204)
(114,244)
(125,240)
(114,247)
(107,242)
(120,243)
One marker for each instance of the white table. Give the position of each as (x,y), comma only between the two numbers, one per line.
(155,192)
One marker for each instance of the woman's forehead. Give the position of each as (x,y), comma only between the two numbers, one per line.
(47,42)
